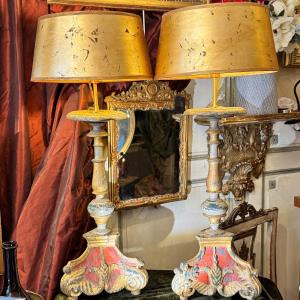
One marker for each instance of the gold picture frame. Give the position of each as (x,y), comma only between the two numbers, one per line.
(160,5)
(144,96)
(292,59)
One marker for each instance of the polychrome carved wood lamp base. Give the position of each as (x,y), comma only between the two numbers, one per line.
(216,268)
(102,266)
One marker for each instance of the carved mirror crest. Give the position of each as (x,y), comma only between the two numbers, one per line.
(149,150)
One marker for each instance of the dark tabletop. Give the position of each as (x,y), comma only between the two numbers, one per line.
(159,287)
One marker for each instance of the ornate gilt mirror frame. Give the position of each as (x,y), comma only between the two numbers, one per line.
(145,96)
(130,4)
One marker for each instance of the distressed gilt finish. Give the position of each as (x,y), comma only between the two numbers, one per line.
(160,5)
(263,118)
(243,152)
(147,95)
(102,266)
(216,268)
(90,47)
(243,222)
(203,41)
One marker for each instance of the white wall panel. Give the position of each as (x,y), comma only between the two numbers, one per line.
(164,236)
(282,161)
(288,237)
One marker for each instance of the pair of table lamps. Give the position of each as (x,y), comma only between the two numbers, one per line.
(207,41)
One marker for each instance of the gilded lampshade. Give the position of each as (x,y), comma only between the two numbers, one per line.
(228,39)
(90,46)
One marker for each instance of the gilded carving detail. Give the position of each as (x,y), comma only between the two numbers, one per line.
(146,95)
(243,151)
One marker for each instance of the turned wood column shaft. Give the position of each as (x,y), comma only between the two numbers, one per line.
(100,208)
(214,208)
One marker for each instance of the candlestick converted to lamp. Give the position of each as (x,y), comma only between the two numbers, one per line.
(95,47)
(213,41)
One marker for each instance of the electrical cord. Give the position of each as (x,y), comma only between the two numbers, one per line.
(291,122)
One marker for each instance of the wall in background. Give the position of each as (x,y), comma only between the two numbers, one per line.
(164,236)
(286,80)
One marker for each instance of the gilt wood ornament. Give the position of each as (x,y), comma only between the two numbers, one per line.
(243,152)
(147,95)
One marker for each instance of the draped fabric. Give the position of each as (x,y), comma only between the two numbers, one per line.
(45,159)
(54,217)
(45,166)
(22,108)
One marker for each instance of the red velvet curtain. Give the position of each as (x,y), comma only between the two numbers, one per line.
(45,167)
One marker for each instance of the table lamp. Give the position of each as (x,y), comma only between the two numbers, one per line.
(95,47)
(213,41)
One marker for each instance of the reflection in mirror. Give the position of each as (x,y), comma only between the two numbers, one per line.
(125,132)
(151,164)
(148,161)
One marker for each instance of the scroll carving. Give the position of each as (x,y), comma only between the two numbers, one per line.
(207,276)
(146,95)
(241,213)
(102,267)
(243,151)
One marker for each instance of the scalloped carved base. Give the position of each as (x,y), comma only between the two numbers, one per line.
(102,267)
(216,268)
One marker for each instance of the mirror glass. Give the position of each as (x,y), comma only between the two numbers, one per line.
(151,164)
